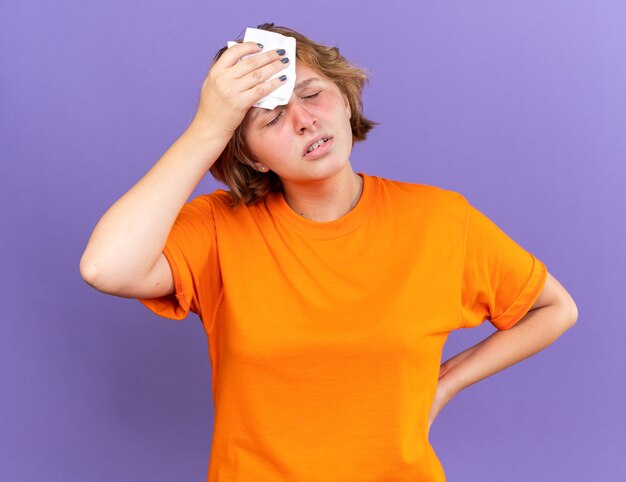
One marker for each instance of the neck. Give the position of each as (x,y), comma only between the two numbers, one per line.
(325,200)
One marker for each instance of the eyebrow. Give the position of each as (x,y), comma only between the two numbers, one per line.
(306,82)
(260,110)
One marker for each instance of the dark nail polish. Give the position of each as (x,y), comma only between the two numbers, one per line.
(284,60)
(280,51)
(283,77)
(260,45)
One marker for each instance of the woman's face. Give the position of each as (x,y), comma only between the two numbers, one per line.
(278,139)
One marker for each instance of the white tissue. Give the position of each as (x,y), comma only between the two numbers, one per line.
(273,41)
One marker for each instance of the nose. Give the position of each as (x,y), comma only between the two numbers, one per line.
(302,117)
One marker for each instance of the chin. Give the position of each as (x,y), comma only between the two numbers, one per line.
(332,168)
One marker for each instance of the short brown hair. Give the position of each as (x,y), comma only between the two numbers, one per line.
(235,166)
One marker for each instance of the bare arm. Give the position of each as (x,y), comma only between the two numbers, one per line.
(553,313)
(124,253)
(130,236)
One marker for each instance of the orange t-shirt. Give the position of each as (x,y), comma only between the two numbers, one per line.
(325,338)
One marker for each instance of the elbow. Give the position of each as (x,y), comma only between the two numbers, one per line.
(87,270)
(574,313)
(570,313)
(568,308)
(572,309)
(97,274)
(93,276)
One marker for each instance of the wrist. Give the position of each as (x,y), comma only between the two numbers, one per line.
(203,130)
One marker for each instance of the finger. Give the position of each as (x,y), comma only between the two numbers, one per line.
(261,74)
(259,91)
(250,64)
(232,55)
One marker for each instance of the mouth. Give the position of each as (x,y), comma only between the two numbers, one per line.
(321,147)
(316,144)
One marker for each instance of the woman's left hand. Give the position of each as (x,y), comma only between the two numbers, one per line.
(444,393)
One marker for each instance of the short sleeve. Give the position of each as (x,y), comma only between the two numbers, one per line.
(501,280)
(190,250)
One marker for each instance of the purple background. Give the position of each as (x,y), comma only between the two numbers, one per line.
(520,106)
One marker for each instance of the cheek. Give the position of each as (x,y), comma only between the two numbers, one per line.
(272,143)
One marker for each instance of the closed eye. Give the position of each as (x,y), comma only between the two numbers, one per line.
(275,120)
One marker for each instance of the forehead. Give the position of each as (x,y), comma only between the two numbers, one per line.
(305,76)
(303,69)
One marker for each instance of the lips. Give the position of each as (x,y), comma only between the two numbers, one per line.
(313,141)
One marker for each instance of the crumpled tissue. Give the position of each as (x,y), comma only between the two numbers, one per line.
(273,41)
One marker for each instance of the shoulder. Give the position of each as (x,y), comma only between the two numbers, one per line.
(427,196)
(218,199)
(221,205)
(203,206)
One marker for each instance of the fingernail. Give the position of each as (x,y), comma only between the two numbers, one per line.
(283,77)
(284,60)
(260,45)
(280,51)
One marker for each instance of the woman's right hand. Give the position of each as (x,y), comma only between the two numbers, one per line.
(232,87)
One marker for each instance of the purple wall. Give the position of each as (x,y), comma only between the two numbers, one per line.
(520,106)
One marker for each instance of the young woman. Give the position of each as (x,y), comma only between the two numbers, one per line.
(327,295)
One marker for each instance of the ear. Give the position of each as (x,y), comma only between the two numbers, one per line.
(260,167)
(256,165)
(347,106)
